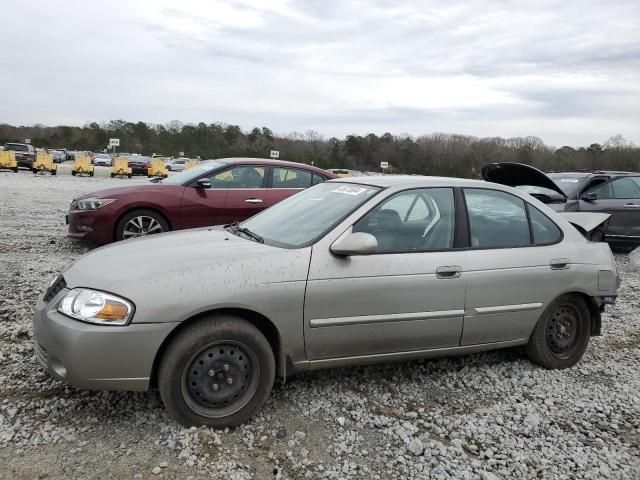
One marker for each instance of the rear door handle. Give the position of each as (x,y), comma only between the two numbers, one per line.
(559,264)
(253,200)
(631,205)
(451,271)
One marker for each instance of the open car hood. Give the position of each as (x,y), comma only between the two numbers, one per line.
(519,174)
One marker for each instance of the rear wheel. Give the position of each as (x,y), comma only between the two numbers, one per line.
(113,175)
(15,169)
(139,223)
(218,371)
(562,333)
(54,172)
(91,174)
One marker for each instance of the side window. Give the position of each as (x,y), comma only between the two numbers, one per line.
(412,221)
(290,178)
(496,219)
(239,177)
(543,229)
(603,191)
(317,179)
(626,188)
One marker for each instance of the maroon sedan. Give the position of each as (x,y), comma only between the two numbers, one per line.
(215,192)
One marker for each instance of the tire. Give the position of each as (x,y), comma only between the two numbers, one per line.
(113,175)
(15,169)
(229,346)
(168,169)
(562,333)
(128,175)
(91,174)
(73,173)
(148,219)
(54,172)
(34,170)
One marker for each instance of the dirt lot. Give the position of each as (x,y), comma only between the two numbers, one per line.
(486,416)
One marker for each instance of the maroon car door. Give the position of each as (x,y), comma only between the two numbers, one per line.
(201,207)
(246,190)
(287,181)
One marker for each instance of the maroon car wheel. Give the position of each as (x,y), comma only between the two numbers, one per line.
(139,223)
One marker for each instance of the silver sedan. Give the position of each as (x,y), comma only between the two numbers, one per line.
(350,271)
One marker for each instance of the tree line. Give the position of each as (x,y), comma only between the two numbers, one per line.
(429,154)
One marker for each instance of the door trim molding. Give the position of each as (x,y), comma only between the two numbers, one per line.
(520,307)
(390,318)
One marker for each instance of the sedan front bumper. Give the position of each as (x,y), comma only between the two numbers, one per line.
(96,357)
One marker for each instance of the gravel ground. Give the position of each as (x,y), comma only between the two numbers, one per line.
(487,416)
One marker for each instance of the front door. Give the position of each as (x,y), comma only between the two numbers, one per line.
(246,191)
(621,199)
(408,296)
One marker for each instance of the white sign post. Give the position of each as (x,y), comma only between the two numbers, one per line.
(113,143)
(384,166)
(275,154)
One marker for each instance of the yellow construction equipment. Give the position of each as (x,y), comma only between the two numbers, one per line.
(120,167)
(44,163)
(191,164)
(82,166)
(157,168)
(8,160)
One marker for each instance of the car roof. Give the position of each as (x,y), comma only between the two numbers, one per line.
(413,181)
(275,163)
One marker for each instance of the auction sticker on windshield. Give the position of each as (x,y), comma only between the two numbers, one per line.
(349,190)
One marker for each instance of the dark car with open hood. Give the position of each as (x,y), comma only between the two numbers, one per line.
(613,192)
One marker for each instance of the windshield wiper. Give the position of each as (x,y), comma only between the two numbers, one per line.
(235,227)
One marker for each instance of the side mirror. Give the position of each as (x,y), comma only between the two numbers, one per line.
(203,183)
(589,197)
(358,243)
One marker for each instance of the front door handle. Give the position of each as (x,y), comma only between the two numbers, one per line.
(253,200)
(451,271)
(559,264)
(631,205)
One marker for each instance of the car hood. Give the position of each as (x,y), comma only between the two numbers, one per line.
(166,263)
(111,192)
(519,174)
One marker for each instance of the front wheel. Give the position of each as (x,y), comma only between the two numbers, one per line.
(562,333)
(139,223)
(218,372)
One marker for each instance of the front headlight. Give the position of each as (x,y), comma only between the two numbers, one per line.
(91,203)
(96,307)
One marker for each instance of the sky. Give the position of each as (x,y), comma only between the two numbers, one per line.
(565,71)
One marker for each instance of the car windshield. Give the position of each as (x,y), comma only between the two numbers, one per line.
(191,174)
(568,183)
(103,155)
(16,147)
(302,218)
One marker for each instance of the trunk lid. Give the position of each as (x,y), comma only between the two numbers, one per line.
(521,175)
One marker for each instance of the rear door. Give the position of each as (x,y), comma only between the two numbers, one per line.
(514,267)
(285,182)
(621,199)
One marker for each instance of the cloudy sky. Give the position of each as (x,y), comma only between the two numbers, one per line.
(566,71)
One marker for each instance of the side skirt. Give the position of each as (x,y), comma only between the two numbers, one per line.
(403,356)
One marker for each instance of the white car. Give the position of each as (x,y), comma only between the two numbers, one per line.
(177,164)
(102,159)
